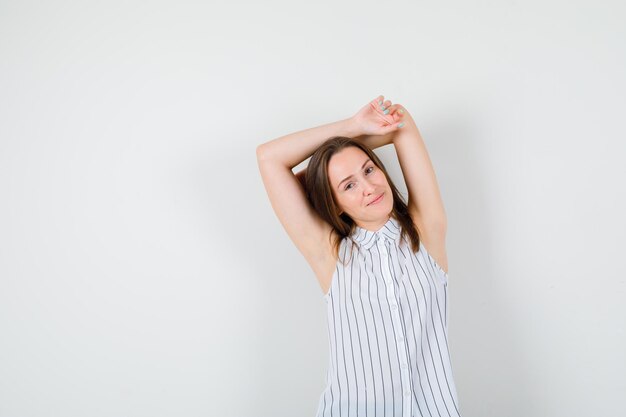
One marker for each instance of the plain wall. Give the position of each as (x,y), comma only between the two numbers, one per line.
(144,273)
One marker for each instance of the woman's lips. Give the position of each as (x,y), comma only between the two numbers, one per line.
(377,200)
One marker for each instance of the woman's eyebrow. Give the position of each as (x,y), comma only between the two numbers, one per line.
(350,176)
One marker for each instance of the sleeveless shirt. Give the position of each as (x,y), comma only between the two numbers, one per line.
(387,331)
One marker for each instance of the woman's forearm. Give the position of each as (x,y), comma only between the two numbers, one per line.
(376,141)
(290,150)
(371,141)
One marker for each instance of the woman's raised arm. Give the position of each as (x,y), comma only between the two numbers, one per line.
(424,202)
(419,176)
(276,160)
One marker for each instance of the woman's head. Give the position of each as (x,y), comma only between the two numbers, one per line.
(344,177)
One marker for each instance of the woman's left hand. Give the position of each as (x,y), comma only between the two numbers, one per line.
(372,120)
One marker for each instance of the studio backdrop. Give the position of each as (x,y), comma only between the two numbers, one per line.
(143,271)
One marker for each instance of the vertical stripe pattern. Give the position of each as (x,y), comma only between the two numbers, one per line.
(387,331)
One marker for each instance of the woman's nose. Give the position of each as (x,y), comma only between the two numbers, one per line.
(368,187)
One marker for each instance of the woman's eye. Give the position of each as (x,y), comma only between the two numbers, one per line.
(348,186)
(370,168)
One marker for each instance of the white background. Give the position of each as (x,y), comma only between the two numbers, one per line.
(144,273)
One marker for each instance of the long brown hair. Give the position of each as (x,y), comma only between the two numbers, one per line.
(321,197)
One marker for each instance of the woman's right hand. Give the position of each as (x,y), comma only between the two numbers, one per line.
(372,120)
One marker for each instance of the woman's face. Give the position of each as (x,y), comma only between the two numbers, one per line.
(358,185)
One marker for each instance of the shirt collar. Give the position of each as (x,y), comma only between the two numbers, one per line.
(368,238)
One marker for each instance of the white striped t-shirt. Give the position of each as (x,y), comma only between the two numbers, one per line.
(387,331)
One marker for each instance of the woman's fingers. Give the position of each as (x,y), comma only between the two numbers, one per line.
(388,111)
(381,102)
(376,103)
(395,113)
(384,106)
(396,109)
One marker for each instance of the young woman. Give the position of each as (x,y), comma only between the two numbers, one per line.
(386,294)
